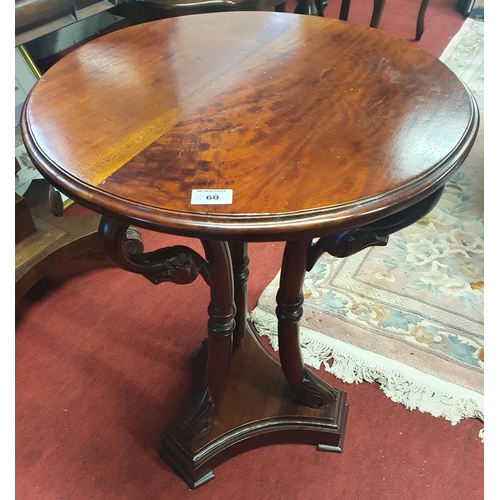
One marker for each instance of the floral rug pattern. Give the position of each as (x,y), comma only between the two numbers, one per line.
(411,311)
(441,257)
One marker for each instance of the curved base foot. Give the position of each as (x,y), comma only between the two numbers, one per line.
(258,409)
(192,476)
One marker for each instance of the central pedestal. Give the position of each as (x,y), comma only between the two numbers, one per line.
(258,409)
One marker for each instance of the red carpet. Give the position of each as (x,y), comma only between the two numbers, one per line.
(105,361)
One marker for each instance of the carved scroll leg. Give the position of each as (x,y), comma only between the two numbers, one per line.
(239,254)
(182,265)
(376,233)
(178,444)
(133,242)
(310,389)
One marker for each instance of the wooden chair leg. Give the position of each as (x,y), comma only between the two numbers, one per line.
(378,7)
(310,8)
(320,8)
(344,10)
(280,7)
(420,19)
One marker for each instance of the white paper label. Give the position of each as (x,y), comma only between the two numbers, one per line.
(211,197)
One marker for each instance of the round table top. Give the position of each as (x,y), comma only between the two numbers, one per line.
(315,124)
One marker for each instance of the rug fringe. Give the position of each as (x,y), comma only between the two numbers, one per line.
(400,383)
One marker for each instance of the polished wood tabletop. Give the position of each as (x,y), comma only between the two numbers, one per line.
(315,124)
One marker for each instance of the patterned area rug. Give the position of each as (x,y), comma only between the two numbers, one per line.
(409,315)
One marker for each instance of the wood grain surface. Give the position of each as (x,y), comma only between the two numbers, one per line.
(315,124)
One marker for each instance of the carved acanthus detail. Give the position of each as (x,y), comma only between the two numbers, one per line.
(199,417)
(377,233)
(176,264)
(179,264)
(352,241)
(314,392)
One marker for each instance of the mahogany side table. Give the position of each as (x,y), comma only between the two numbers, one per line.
(245,127)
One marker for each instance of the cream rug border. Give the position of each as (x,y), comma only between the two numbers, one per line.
(399,382)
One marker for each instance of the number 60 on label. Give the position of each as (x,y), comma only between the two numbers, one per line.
(211,197)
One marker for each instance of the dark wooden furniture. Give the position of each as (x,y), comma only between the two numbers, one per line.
(139,11)
(378,7)
(35,18)
(159,9)
(44,238)
(320,128)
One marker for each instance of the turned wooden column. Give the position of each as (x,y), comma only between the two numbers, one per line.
(240,259)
